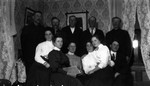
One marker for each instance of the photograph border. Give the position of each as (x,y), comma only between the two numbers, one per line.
(83,15)
(28,15)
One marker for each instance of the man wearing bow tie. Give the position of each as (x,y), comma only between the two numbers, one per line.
(122,75)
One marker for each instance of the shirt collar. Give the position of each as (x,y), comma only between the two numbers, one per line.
(55,48)
(72,27)
(48,41)
(100,45)
(94,29)
(112,52)
(70,53)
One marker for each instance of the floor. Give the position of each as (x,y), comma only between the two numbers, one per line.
(145,83)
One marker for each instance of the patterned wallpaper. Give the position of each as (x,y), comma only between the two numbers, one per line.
(58,8)
(20,6)
(103,10)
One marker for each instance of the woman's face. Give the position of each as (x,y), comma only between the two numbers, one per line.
(95,41)
(48,35)
(58,42)
(89,47)
(72,47)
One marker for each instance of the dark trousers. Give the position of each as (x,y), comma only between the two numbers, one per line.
(123,80)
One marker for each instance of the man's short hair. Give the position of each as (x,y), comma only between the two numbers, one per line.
(54,18)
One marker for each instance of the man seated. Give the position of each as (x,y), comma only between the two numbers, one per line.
(122,75)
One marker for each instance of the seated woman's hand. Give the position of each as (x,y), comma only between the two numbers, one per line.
(111,63)
(95,69)
(71,74)
(47,65)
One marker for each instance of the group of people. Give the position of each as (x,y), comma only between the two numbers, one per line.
(73,57)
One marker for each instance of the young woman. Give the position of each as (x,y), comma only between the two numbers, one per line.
(39,73)
(89,48)
(96,65)
(58,61)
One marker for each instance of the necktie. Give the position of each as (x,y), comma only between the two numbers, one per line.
(92,32)
(113,57)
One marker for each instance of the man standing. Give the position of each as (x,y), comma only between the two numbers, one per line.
(122,36)
(92,30)
(72,34)
(56,30)
(31,36)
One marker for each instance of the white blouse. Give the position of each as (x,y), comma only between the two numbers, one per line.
(43,49)
(100,57)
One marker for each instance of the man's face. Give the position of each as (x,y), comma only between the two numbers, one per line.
(55,23)
(114,46)
(116,23)
(72,21)
(37,18)
(72,47)
(92,22)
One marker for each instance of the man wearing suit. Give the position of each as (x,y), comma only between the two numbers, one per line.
(122,36)
(92,30)
(56,30)
(72,33)
(31,36)
(122,73)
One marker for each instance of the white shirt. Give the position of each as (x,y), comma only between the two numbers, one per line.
(113,53)
(70,53)
(72,29)
(55,48)
(43,49)
(92,32)
(100,56)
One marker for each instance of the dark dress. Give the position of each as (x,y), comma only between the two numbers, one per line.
(102,77)
(59,77)
(38,75)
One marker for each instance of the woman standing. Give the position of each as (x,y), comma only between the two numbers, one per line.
(96,65)
(58,62)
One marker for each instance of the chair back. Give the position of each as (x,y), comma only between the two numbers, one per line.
(5,82)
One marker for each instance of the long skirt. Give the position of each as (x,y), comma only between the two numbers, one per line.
(102,77)
(38,75)
(60,79)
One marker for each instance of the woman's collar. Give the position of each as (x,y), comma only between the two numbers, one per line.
(56,48)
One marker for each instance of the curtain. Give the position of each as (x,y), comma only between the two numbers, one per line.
(143,9)
(125,9)
(128,16)
(7,31)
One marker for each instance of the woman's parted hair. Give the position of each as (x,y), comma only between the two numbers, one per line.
(55,37)
(98,37)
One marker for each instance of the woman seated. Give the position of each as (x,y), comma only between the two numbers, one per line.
(75,61)
(39,73)
(89,48)
(84,77)
(96,64)
(58,61)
